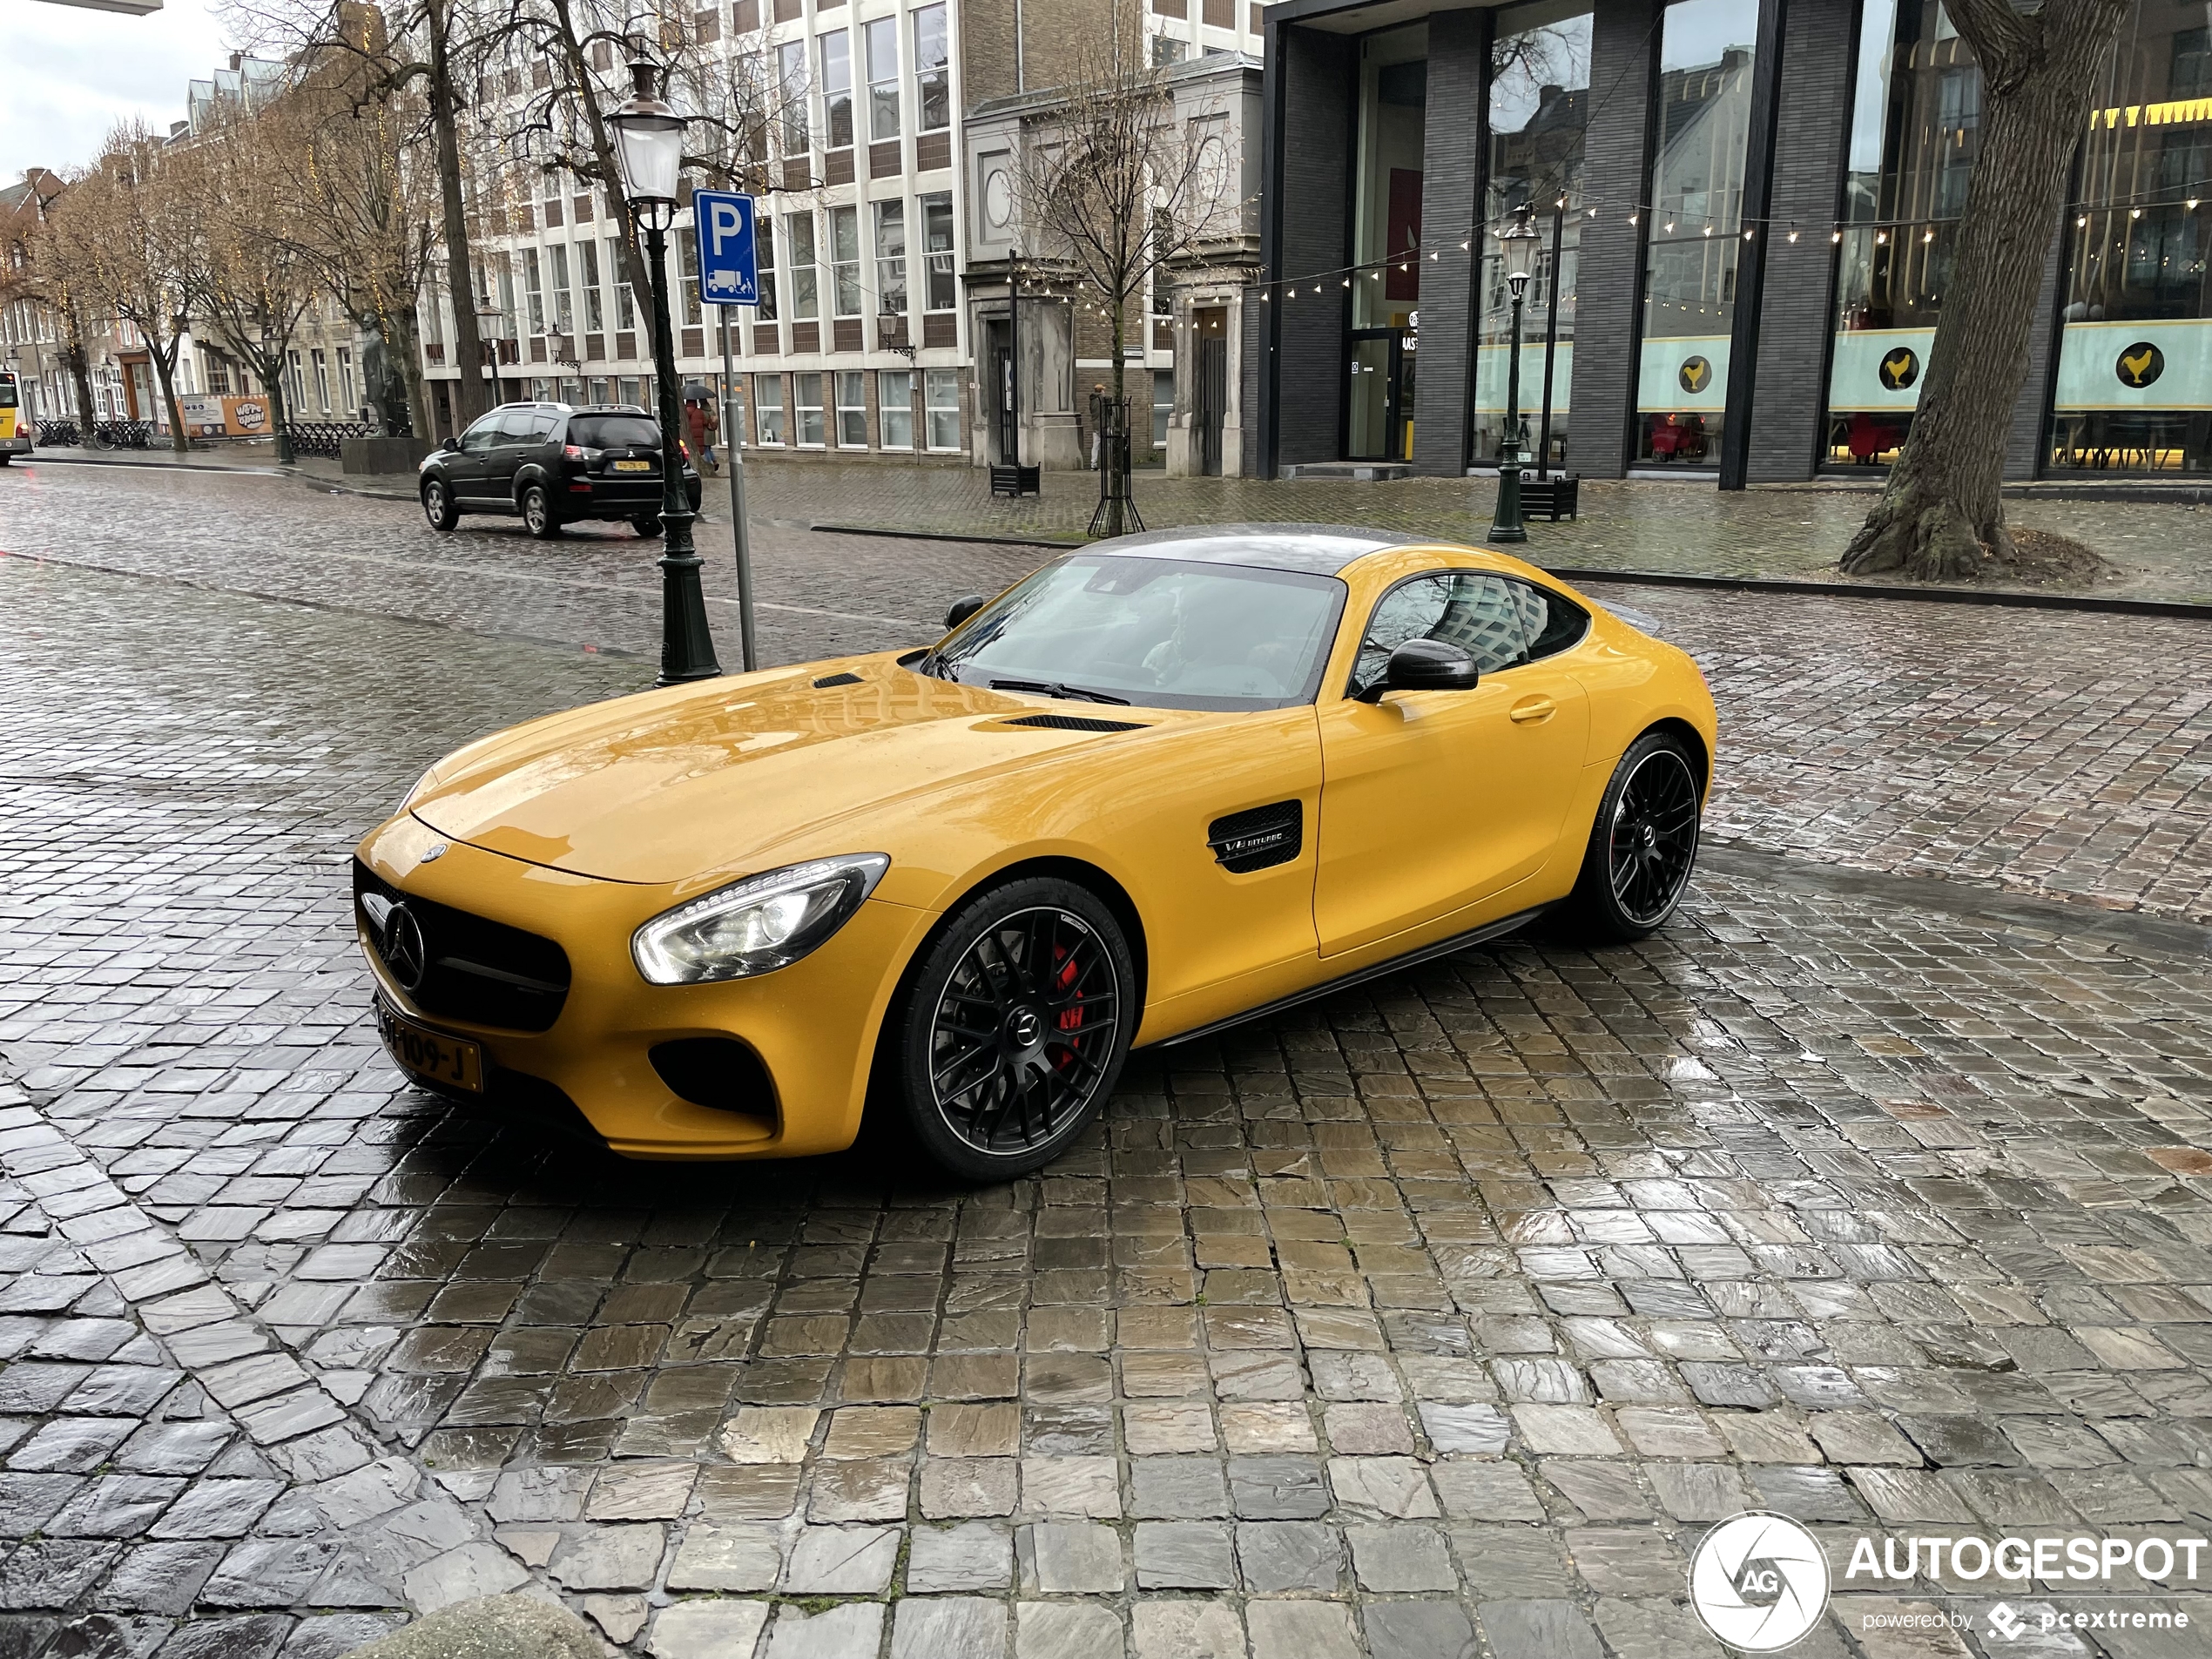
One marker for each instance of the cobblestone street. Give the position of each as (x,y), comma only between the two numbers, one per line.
(1436,1320)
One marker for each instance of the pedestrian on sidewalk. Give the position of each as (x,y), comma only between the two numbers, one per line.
(702,426)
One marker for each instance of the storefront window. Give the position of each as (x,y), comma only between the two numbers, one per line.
(1916,128)
(2134,391)
(1386,243)
(1539,95)
(1694,228)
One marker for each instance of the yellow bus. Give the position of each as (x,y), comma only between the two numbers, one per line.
(15,427)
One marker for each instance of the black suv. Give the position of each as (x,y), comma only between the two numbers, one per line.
(553,463)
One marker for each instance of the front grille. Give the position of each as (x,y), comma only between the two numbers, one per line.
(1077,723)
(1259,837)
(482,972)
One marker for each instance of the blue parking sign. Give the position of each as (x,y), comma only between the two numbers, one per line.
(728,272)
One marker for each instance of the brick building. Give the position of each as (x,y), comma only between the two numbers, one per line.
(1749,211)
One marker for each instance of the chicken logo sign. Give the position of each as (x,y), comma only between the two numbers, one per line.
(1899,368)
(1695,374)
(2140,365)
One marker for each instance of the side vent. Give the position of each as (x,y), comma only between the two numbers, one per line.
(1259,837)
(827,681)
(1076,723)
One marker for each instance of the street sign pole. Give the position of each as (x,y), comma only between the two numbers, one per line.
(729,276)
(733,445)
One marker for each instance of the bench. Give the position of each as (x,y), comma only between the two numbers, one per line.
(1015,481)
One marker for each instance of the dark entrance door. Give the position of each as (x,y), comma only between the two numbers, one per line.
(1210,390)
(1003,416)
(1378,391)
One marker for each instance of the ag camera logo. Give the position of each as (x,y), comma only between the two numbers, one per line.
(1759,1581)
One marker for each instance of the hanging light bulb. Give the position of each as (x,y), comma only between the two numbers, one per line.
(1746,233)
(1632,219)
(1793,234)
(2190,203)
(1835,236)
(2134,213)
(1928,235)
(2082,223)
(1709,230)
(1881,236)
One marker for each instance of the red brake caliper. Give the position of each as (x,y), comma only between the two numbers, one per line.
(1071,1018)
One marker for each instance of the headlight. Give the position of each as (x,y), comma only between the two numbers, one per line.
(758,925)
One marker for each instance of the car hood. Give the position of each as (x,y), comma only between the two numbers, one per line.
(669,785)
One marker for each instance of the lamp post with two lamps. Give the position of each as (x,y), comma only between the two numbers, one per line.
(1517,245)
(649,141)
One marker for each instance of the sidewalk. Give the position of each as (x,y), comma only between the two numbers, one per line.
(1789,533)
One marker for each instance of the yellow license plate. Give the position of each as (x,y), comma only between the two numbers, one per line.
(431,1056)
(633,465)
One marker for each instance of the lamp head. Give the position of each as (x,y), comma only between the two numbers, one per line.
(649,139)
(1517,245)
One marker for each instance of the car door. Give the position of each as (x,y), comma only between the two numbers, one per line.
(520,432)
(465,470)
(1434,802)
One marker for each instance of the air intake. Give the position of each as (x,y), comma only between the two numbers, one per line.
(1077,723)
(828,680)
(1259,837)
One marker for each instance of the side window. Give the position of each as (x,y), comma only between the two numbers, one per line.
(1563,627)
(1499,622)
(481,436)
(515,426)
(542,425)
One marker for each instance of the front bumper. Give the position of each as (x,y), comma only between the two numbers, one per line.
(812,1025)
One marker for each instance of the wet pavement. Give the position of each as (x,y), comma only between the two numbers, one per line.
(1441,1317)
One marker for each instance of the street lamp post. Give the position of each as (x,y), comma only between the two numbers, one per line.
(649,137)
(1517,248)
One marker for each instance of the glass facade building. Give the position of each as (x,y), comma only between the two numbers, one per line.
(1748,216)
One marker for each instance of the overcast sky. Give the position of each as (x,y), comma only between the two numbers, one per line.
(70,74)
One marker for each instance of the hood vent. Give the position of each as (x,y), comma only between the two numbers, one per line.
(1076,723)
(828,680)
(1259,837)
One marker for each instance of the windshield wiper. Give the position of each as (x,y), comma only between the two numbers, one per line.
(1054,688)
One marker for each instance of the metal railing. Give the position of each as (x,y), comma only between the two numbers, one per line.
(122,434)
(62,434)
(322,437)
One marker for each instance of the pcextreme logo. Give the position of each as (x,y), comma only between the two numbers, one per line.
(1759,1581)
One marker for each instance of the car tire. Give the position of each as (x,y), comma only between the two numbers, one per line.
(648,525)
(1642,846)
(538,518)
(438,505)
(1011,1101)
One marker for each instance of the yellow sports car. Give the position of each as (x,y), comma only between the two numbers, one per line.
(1164,784)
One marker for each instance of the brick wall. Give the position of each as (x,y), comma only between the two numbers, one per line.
(1609,285)
(1789,399)
(1452,168)
(1308,228)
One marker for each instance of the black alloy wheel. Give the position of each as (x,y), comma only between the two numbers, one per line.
(437,505)
(1644,843)
(537,514)
(1015,1026)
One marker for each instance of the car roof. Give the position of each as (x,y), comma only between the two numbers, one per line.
(1308,549)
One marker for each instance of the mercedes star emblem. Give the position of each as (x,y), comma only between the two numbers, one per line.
(405,952)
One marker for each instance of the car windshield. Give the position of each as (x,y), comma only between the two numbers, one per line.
(1160,632)
(613,432)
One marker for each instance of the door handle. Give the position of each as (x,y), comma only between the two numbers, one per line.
(1531,710)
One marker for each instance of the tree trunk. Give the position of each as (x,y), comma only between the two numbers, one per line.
(274,383)
(1942,516)
(1116,417)
(468,397)
(407,410)
(80,370)
(165,370)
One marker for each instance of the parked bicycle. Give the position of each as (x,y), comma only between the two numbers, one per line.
(57,434)
(122,434)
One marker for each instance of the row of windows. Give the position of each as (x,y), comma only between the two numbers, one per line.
(879,59)
(807,423)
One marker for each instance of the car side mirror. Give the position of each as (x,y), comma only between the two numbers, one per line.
(961,609)
(452,444)
(1425,666)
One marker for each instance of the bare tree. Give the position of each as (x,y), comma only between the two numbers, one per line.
(128,236)
(364,214)
(1113,184)
(252,282)
(1942,516)
(418,58)
(45,279)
